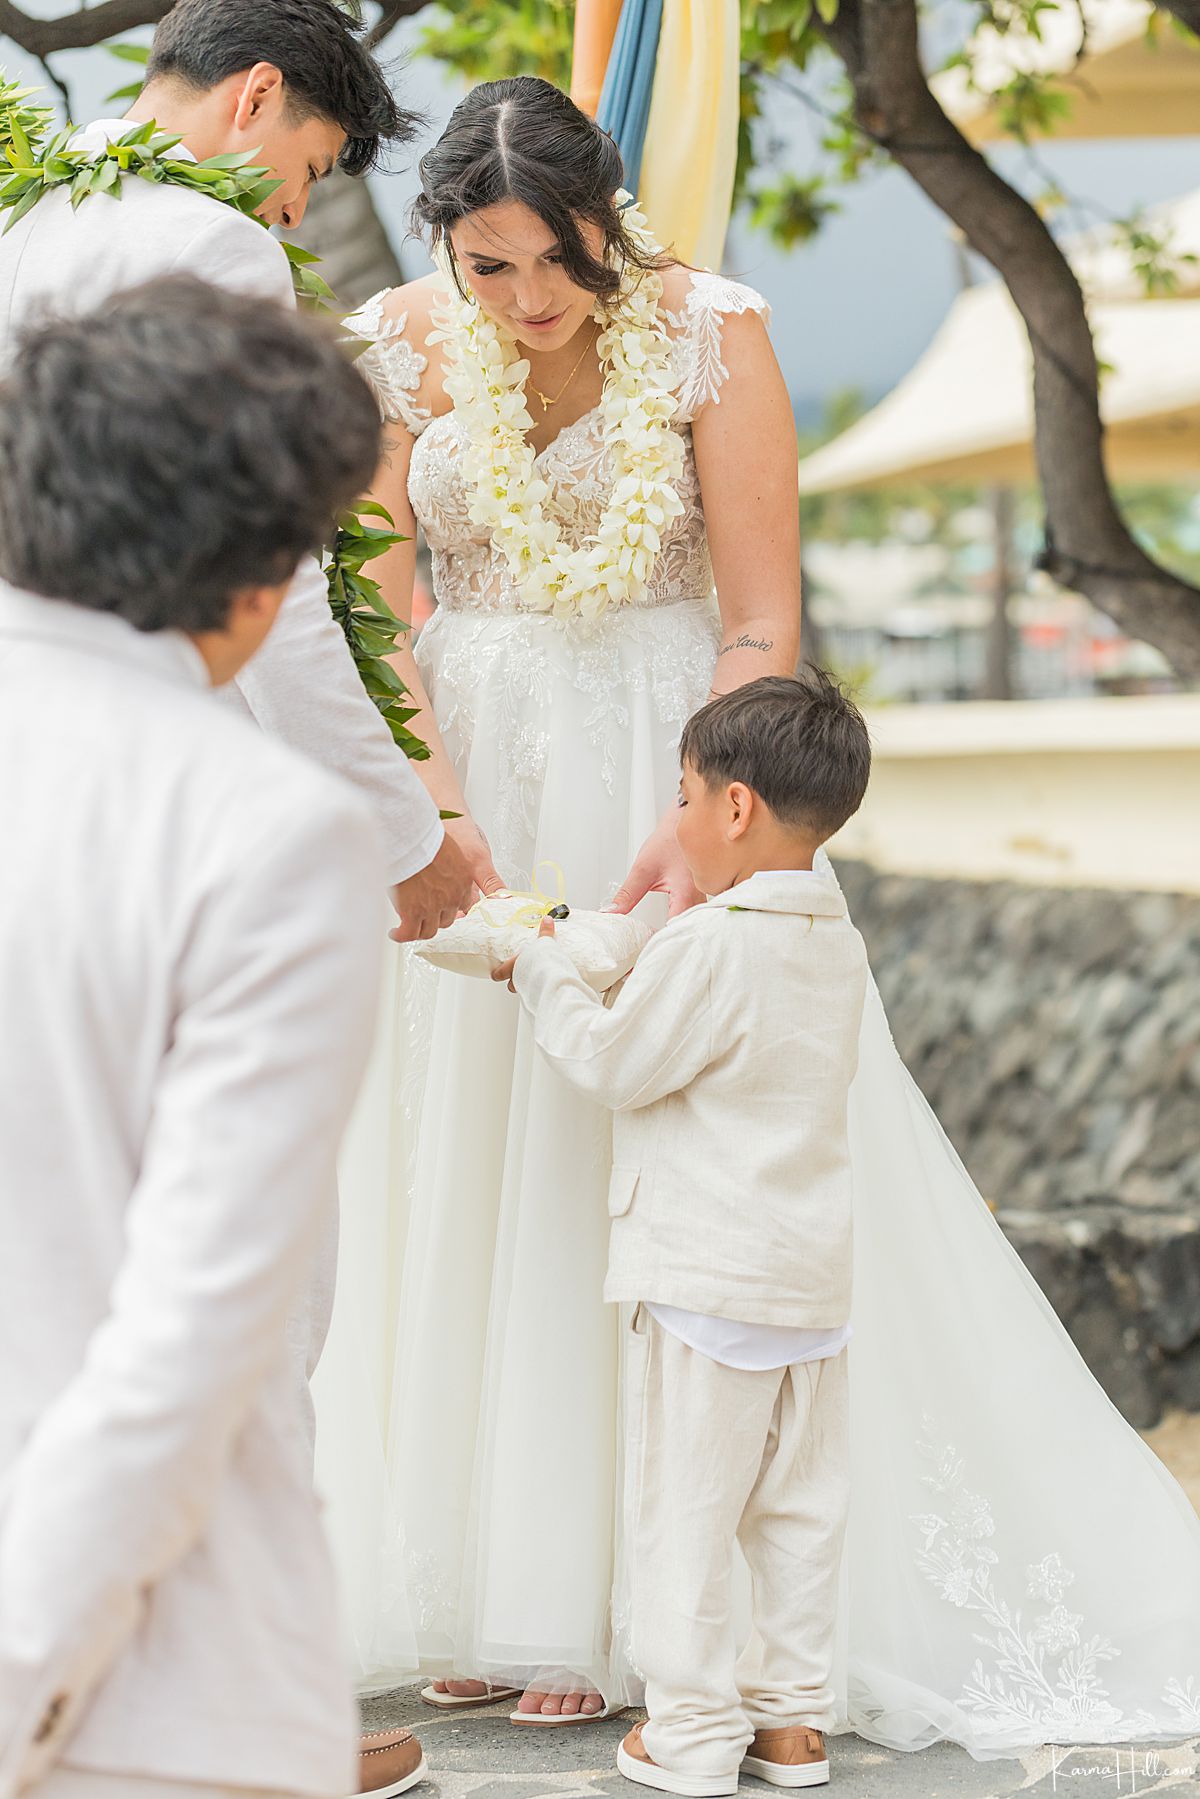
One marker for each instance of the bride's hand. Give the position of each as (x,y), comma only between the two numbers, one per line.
(478,855)
(659,868)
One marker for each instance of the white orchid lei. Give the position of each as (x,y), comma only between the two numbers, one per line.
(485,378)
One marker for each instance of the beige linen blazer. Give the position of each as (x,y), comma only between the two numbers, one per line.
(189,961)
(727,1059)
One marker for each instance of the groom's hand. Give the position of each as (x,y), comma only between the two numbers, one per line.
(434,896)
(505,970)
(659,868)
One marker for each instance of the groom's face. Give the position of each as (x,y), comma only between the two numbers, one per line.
(253,112)
(510,262)
(299,156)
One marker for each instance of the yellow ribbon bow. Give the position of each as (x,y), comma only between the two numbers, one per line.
(538,902)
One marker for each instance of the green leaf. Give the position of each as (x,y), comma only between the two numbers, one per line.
(130,52)
(233,159)
(23,206)
(372,509)
(298,256)
(19,140)
(81,187)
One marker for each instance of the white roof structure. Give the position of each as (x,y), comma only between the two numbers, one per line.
(964,412)
(1125,85)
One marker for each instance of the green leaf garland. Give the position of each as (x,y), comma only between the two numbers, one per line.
(371,629)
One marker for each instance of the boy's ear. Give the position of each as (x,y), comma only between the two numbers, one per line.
(741,810)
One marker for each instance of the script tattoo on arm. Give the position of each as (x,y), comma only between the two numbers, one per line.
(747,643)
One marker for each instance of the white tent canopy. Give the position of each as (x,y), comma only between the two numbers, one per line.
(965,411)
(1126,85)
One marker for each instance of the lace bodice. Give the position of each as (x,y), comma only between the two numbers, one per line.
(469,572)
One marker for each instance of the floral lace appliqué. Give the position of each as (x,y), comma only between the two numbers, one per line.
(1043,1677)
(699,329)
(391,364)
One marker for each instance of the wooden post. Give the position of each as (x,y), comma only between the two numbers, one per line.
(595,28)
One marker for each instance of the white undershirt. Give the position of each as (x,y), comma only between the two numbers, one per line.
(752,1346)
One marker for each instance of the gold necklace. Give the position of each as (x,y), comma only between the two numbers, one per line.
(547,402)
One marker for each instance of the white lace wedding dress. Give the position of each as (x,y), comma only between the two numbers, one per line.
(1020,1568)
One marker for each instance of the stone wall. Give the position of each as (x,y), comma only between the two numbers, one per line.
(1056,1032)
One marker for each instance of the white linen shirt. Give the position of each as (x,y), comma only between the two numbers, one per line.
(302,685)
(727,1059)
(189,958)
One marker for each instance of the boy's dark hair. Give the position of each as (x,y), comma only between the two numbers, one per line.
(175,446)
(797,741)
(327,72)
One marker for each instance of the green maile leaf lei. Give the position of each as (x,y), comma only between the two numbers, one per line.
(33,165)
(370,627)
(37,166)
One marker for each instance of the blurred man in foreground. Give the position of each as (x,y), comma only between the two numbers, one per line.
(188,958)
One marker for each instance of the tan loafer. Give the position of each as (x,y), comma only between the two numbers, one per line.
(634,1762)
(389,1762)
(793,1757)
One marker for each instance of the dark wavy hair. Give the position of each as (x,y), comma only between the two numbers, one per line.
(524,139)
(327,71)
(174,447)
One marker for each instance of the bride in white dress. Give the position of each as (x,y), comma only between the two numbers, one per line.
(1019,1568)
(555,735)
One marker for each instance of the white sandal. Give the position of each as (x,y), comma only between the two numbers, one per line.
(453,1702)
(560,1720)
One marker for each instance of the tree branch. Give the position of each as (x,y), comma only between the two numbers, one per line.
(78,30)
(391,14)
(93,24)
(1186,11)
(1088,546)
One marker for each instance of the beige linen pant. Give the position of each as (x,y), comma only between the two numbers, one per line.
(714,1455)
(79,1783)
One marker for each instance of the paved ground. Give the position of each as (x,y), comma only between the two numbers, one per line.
(480,1755)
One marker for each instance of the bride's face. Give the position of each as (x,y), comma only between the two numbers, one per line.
(508,259)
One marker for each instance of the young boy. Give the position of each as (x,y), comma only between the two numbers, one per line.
(727,1058)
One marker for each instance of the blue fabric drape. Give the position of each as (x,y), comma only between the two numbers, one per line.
(625,98)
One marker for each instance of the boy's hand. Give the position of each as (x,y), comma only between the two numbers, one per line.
(505,970)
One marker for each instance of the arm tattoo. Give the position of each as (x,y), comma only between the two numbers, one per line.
(747,643)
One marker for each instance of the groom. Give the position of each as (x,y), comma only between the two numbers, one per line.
(290,81)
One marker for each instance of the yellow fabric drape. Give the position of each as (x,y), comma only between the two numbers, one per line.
(595,28)
(688,165)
